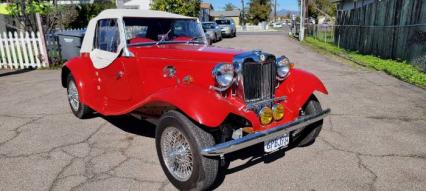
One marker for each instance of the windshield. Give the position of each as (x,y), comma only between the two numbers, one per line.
(209,25)
(140,31)
(223,22)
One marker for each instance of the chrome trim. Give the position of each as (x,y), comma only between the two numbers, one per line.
(279,65)
(261,136)
(215,71)
(219,89)
(238,62)
(258,104)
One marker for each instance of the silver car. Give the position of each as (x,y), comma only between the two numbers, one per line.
(228,27)
(212,31)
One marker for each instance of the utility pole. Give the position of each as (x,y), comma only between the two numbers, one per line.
(275,11)
(302,20)
(243,22)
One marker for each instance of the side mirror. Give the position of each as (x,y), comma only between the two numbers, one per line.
(127,53)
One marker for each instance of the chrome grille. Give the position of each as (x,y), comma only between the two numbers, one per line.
(259,80)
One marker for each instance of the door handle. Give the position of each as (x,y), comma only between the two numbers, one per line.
(119,75)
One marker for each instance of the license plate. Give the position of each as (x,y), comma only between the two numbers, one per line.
(276,143)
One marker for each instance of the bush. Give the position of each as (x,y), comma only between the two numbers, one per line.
(400,70)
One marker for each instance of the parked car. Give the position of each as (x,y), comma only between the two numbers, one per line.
(277,25)
(208,101)
(228,27)
(212,30)
(209,40)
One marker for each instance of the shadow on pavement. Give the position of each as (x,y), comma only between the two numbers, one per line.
(132,125)
(13,72)
(255,153)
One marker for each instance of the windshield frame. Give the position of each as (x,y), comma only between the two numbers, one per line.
(199,28)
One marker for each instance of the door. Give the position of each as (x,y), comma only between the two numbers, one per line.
(110,65)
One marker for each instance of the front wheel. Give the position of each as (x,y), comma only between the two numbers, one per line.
(179,142)
(306,136)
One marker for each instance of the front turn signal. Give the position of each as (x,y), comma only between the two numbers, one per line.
(265,115)
(278,111)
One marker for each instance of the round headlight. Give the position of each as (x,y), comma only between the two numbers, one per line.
(224,74)
(278,111)
(265,115)
(283,67)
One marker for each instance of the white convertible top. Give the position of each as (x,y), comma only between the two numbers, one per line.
(102,59)
(87,44)
(115,13)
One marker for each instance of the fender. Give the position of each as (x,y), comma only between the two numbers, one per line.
(204,106)
(83,72)
(298,87)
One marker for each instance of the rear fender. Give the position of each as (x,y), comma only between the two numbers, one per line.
(82,72)
(297,88)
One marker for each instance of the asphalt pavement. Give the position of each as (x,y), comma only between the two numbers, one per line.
(374,139)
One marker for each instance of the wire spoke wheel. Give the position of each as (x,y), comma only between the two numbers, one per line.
(177,153)
(73,96)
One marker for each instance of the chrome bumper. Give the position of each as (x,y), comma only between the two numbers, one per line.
(261,136)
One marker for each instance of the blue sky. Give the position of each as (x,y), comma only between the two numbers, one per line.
(282,4)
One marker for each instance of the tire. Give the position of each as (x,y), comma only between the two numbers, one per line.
(307,135)
(204,170)
(235,34)
(80,110)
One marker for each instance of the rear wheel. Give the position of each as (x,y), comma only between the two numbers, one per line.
(306,136)
(78,109)
(179,142)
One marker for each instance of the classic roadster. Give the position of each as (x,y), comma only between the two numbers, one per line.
(209,101)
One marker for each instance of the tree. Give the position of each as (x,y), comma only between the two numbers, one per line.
(88,11)
(229,7)
(321,7)
(259,10)
(183,7)
(24,12)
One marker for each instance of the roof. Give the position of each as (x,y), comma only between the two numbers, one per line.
(206,6)
(234,13)
(115,13)
(138,4)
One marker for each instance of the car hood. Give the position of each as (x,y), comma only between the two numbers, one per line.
(194,52)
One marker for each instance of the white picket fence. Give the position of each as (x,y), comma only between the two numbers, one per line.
(20,51)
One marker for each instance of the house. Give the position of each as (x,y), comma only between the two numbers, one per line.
(235,15)
(138,4)
(205,9)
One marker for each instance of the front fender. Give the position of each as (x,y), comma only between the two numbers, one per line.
(205,106)
(298,87)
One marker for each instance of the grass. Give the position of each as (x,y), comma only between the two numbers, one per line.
(400,70)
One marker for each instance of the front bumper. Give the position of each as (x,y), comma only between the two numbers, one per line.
(226,31)
(261,136)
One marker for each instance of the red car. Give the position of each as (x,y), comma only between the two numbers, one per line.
(209,101)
